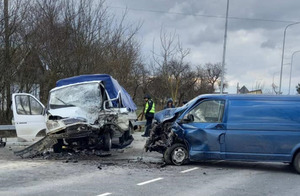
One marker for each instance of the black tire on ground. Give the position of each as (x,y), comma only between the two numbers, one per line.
(57,148)
(177,154)
(107,141)
(296,162)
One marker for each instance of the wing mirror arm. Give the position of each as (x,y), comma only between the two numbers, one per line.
(187,119)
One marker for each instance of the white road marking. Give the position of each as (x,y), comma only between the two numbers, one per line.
(188,170)
(105,194)
(149,181)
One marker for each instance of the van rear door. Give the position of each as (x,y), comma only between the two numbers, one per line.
(28,116)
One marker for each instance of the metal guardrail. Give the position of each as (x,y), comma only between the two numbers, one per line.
(7,127)
(7,131)
(138,123)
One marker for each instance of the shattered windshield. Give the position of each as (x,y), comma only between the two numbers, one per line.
(85,96)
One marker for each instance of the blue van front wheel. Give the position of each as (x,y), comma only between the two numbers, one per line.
(176,154)
(296,162)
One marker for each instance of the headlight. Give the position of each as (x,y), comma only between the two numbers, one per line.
(52,124)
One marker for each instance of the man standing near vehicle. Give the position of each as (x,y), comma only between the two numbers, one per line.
(149,114)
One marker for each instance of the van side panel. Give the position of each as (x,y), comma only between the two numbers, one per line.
(262,129)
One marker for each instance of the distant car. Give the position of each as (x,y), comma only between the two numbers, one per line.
(88,111)
(230,127)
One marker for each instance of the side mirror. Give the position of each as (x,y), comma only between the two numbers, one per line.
(190,118)
(187,119)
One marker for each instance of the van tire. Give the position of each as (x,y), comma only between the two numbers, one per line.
(177,154)
(296,162)
(107,143)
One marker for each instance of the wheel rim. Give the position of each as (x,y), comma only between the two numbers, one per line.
(178,155)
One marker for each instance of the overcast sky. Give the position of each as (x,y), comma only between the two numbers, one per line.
(254,42)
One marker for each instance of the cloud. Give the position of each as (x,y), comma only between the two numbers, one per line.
(254,47)
(268,44)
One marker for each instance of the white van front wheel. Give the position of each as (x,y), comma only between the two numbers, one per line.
(107,143)
(296,162)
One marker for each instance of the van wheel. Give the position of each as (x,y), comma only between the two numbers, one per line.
(296,162)
(176,154)
(107,141)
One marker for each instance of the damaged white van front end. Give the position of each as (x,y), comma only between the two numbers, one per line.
(81,115)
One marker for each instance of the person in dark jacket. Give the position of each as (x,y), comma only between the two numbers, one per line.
(149,114)
(169,104)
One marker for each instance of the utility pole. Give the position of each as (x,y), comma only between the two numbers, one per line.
(224,49)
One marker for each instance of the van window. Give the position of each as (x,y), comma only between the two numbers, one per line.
(86,96)
(259,111)
(27,105)
(208,111)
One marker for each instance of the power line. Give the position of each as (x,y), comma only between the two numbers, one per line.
(203,15)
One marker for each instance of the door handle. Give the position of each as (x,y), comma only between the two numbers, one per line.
(221,138)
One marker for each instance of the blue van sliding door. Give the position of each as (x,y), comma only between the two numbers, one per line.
(262,129)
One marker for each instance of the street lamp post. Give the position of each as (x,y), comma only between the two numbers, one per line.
(291,69)
(224,49)
(283,44)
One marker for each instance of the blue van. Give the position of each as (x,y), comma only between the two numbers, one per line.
(230,127)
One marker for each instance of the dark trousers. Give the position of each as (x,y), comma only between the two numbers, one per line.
(148,126)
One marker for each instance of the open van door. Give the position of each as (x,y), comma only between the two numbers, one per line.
(29,116)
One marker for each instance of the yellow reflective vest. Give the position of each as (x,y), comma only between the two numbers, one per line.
(152,110)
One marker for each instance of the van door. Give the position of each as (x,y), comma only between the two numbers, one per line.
(262,129)
(205,130)
(28,116)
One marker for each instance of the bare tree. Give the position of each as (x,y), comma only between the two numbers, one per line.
(213,74)
(170,66)
(43,41)
(11,50)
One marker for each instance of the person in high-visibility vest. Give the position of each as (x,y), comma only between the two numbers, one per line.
(149,114)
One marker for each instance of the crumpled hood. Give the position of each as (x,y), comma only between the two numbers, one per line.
(74,112)
(167,114)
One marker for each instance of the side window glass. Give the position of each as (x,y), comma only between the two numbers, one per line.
(36,108)
(27,105)
(22,105)
(208,111)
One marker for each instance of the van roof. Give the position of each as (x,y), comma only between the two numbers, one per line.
(112,87)
(251,96)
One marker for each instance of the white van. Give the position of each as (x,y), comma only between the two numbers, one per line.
(88,111)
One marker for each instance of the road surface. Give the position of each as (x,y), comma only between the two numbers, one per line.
(124,174)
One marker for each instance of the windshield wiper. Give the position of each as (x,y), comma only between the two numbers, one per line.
(66,104)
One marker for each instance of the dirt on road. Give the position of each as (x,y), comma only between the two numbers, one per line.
(132,156)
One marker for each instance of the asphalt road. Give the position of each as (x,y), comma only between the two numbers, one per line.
(123,174)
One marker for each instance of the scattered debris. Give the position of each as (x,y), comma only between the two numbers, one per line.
(2,143)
